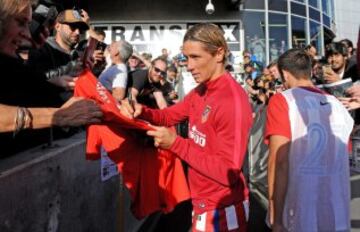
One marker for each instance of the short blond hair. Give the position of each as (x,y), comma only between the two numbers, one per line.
(11,8)
(210,35)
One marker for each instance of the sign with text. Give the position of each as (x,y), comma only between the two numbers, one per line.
(153,37)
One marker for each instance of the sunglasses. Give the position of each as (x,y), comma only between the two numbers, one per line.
(162,73)
(74,26)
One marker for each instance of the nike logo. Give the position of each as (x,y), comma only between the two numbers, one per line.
(322,103)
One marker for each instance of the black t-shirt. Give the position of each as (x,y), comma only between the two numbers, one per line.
(25,86)
(47,58)
(139,80)
(22,86)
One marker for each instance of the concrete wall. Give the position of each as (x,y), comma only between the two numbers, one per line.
(58,190)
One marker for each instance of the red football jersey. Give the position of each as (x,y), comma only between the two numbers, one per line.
(154,177)
(220,118)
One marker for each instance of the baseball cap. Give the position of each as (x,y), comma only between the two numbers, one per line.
(72,17)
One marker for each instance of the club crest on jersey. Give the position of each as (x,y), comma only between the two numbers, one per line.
(205,114)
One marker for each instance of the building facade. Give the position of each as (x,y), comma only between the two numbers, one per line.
(273,26)
(264,27)
(347,19)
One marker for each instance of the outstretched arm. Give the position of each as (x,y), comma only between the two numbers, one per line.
(278,168)
(75,112)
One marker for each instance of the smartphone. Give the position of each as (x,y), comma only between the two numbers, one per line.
(89,51)
(327,68)
(101,46)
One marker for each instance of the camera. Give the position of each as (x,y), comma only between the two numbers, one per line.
(326,68)
(43,17)
(209,9)
(101,46)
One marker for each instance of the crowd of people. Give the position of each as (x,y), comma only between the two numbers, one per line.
(307,129)
(28,100)
(339,63)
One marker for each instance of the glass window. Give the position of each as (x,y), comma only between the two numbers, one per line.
(254,4)
(314,3)
(278,34)
(332,9)
(298,27)
(254,26)
(298,9)
(278,5)
(326,7)
(326,21)
(302,1)
(315,35)
(314,14)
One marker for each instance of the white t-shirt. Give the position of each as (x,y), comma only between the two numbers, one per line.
(114,77)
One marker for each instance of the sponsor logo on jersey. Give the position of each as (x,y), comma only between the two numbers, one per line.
(198,137)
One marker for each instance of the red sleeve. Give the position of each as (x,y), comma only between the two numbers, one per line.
(277,118)
(232,126)
(168,116)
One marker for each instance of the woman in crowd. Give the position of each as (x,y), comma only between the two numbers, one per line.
(24,93)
